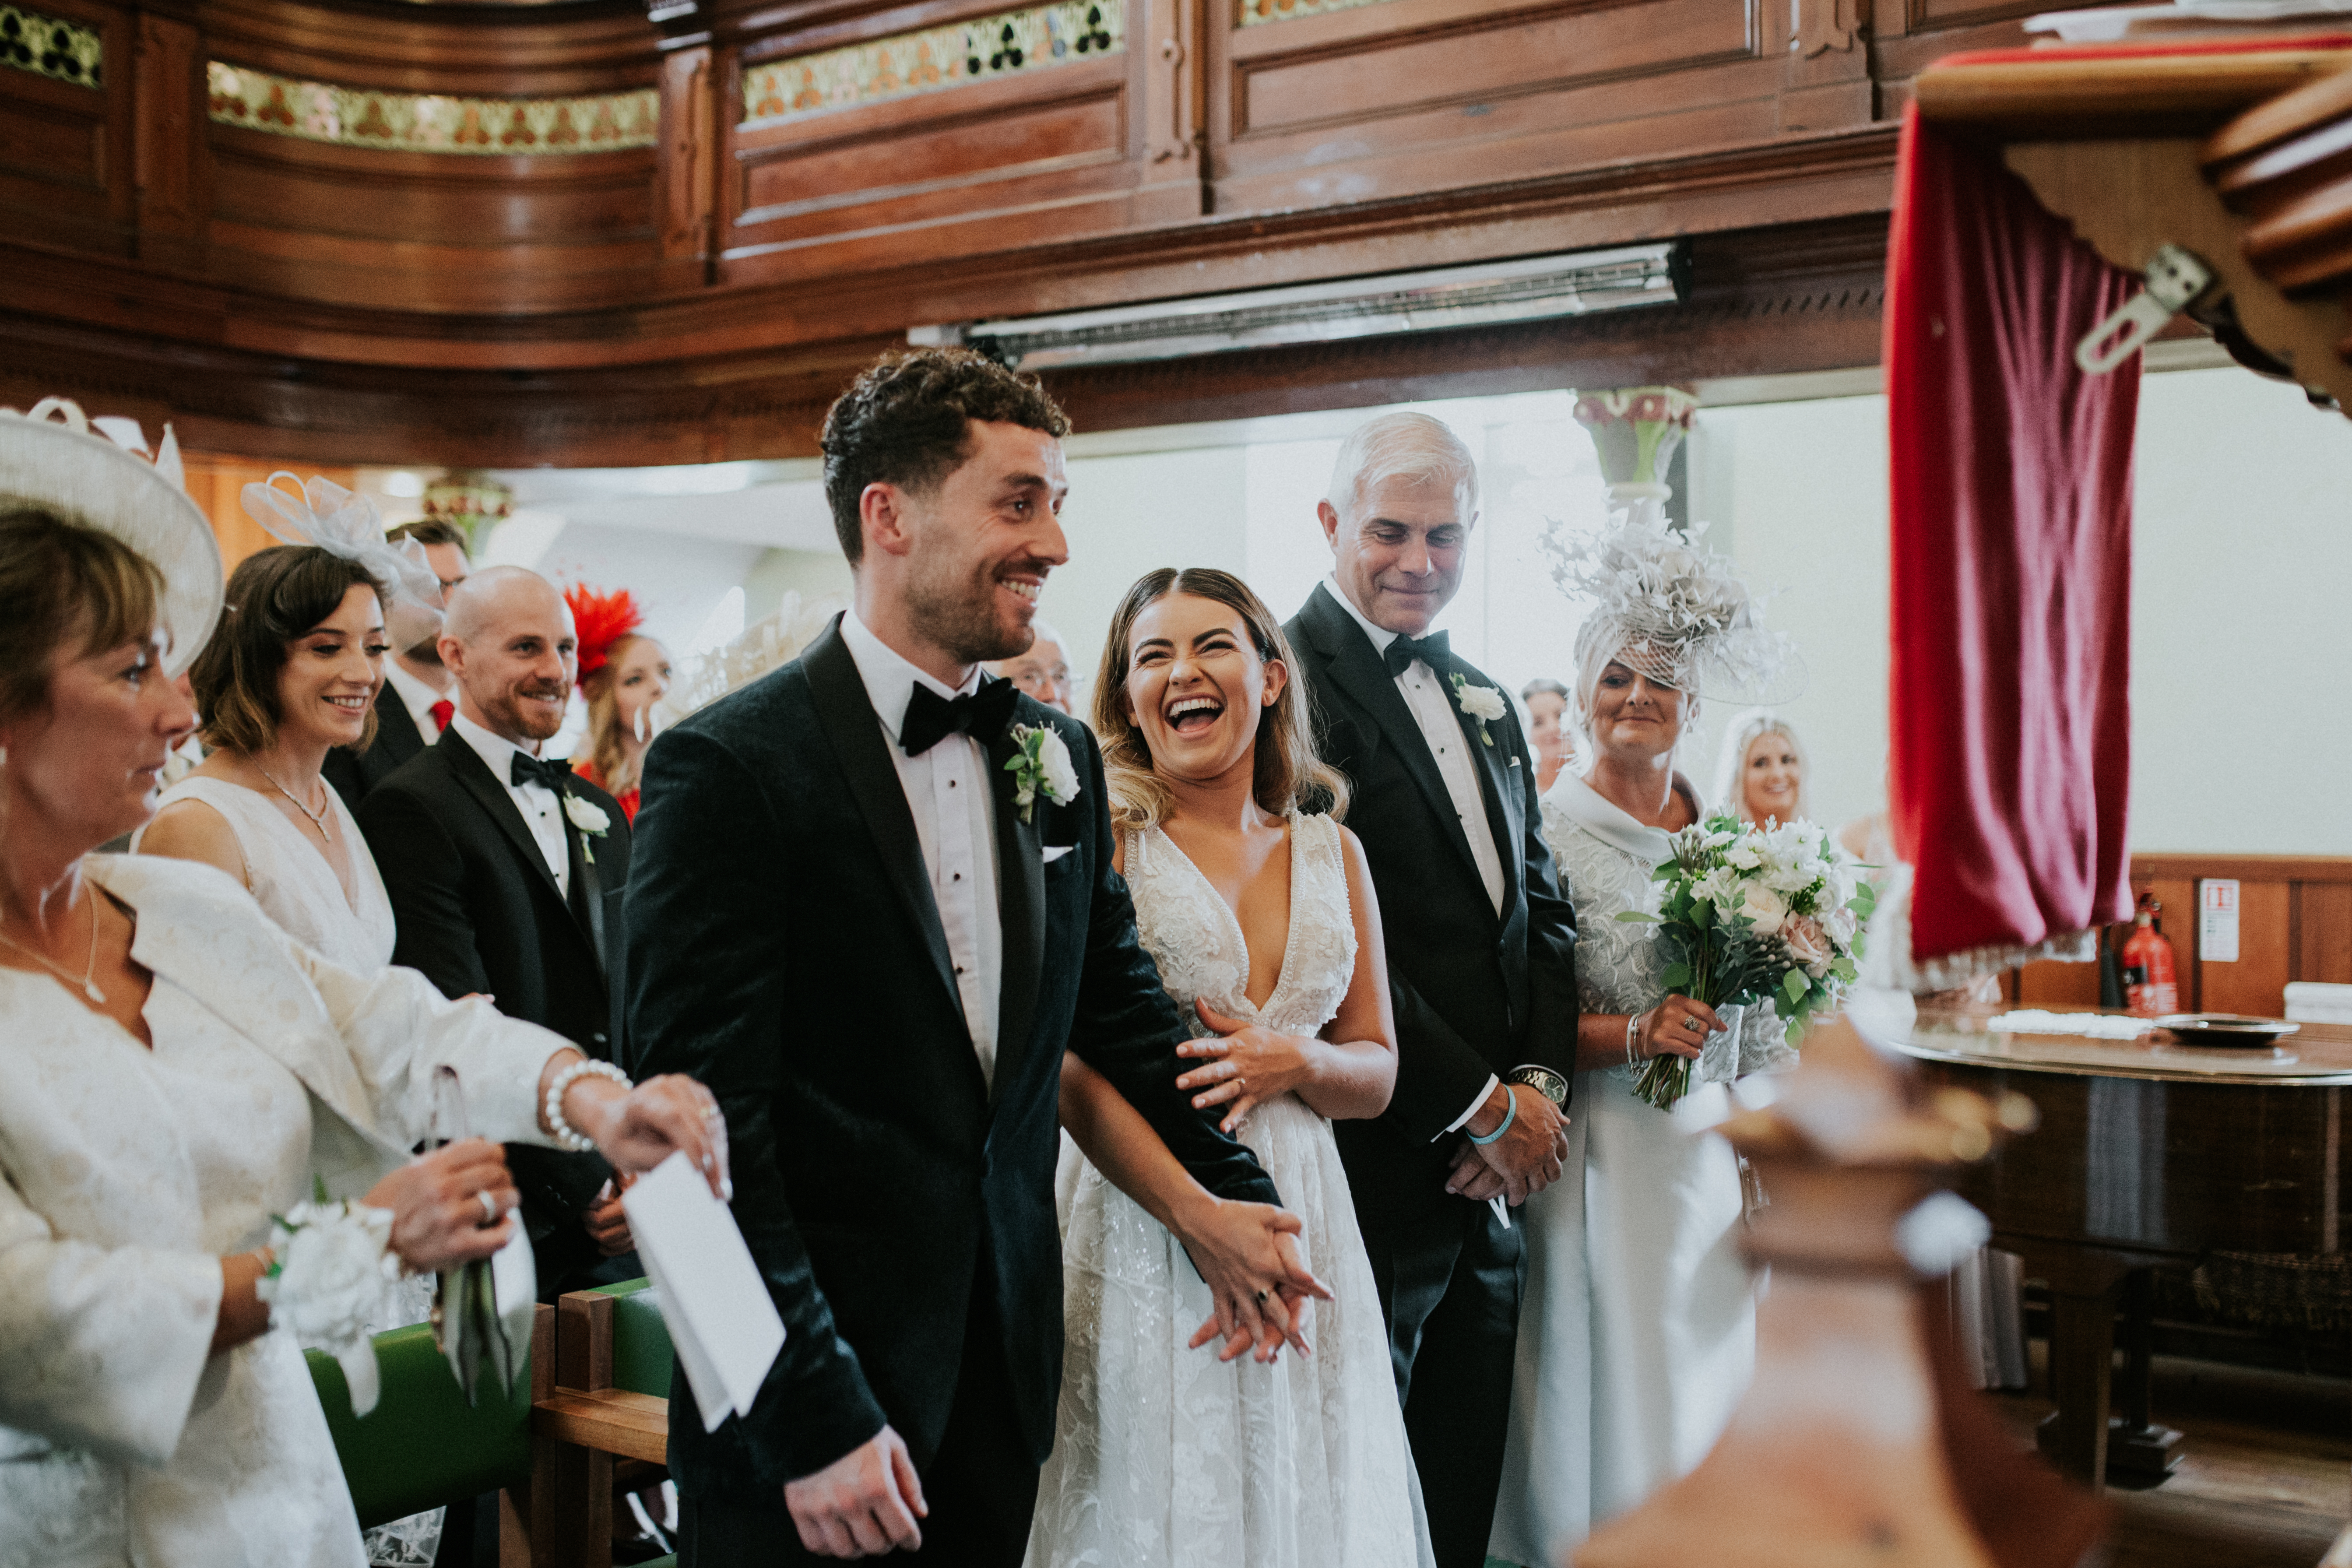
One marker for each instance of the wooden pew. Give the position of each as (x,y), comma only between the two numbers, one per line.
(609,1401)
(423,1447)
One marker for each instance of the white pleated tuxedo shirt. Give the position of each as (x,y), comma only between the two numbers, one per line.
(1432,706)
(955,818)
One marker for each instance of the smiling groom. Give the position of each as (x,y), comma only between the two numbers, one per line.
(874,903)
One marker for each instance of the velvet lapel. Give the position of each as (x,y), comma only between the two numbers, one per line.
(1021,912)
(1360,672)
(872,780)
(474,775)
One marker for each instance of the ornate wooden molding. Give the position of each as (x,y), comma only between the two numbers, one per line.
(933,59)
(430,123)
(1257,13)
(51,47)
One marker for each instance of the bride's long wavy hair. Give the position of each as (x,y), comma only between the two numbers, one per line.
(1286,772)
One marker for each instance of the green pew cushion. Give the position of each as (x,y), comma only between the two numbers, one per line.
(641,1349)
(422,1447)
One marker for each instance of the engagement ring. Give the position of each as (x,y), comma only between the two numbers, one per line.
(489,1206)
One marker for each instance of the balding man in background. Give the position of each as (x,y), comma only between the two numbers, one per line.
(506,876)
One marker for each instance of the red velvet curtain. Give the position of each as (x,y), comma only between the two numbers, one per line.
(2011,562)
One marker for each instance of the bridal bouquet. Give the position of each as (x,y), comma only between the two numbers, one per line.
(1747,914)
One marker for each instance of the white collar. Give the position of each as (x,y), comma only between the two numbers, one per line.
(1611,822)
(1381,636)
(496,751)
(415,695)
(890,677)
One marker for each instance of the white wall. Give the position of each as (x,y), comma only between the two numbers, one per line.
(2241,645)
(2241,639)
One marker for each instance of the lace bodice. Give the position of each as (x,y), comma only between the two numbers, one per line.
(1167,1457)
(1192,934)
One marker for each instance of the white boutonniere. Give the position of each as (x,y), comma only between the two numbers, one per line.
(1483,703)
(590,819)
(1041,766)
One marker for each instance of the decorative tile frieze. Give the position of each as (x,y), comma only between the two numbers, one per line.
(50,47)
(428,123)
(1257,13)
(934,58)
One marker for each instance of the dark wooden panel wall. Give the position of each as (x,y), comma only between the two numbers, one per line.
(2294,922)
(826,174)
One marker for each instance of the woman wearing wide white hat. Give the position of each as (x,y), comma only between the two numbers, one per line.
(179,1071)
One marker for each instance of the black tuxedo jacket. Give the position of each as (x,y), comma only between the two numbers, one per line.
(397,739)
(786,949)
(478,911)
(1474,993)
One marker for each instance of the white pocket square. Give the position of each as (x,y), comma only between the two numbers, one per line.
(1515,762)
(1055,851)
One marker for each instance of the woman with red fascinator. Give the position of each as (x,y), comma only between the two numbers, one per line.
(623,674)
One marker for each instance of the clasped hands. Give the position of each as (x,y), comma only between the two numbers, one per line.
(1527,1157)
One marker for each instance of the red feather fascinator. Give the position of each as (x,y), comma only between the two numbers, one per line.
(602,620)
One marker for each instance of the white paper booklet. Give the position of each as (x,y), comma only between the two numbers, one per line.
(721,1320)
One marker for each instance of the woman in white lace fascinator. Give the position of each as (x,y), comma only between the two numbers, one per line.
(181,1071)
(1260,914)
(1637,1332)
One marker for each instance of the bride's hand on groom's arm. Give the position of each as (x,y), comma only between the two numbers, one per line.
(864,1504)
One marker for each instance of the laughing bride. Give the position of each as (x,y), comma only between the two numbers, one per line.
(1263,921)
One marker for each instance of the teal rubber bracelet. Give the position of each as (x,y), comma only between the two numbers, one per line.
(1508,1117)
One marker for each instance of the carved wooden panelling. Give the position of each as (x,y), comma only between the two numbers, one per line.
(936,59)
(429,122)
(990,165)
(65,124)
(1420,95)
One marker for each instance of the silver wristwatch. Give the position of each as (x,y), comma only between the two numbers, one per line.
(1544,1081)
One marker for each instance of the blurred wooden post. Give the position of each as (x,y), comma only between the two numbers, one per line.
(1859,1441)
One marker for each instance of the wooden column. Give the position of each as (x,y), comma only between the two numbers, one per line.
(169,154)
(689,175)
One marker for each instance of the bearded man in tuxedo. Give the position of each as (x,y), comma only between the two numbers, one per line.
(1481,948)
(874,904)
(505,874)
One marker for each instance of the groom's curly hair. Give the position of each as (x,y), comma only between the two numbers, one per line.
(904,422)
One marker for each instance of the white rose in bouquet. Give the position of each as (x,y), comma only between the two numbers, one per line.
(1762,905)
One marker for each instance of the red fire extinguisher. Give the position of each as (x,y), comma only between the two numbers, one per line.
(2149,988)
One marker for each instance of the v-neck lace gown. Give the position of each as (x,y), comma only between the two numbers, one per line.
(1163,1456)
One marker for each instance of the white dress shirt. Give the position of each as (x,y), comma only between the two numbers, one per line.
(542,812)
(1431,705)
(417,698)
(955,819)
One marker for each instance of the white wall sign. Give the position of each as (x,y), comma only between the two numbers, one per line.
(2217,920)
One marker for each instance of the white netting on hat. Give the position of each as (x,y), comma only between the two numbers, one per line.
(1669,608)
(345,523)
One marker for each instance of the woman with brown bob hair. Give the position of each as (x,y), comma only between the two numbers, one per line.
(1258,908)
(292,672)
(181,1073)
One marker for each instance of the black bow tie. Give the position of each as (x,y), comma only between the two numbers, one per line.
(932,717)
(539,771)
(1433,650)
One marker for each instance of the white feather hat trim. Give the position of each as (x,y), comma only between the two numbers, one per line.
(51,459)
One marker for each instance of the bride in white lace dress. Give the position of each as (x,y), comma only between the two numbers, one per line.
(1263,922)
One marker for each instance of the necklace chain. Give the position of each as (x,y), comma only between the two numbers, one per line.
(318,818)
(87,981)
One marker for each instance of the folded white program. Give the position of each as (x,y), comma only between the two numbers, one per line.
(722,1322)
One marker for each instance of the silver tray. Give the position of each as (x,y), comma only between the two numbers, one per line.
(2228,1030)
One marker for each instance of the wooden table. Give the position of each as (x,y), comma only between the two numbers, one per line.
(2148,1153)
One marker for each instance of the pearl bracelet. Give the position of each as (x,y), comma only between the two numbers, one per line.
(1633,1027)
(562,1130)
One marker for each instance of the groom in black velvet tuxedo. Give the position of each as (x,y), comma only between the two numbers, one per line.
(1481,949)
(873,904)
